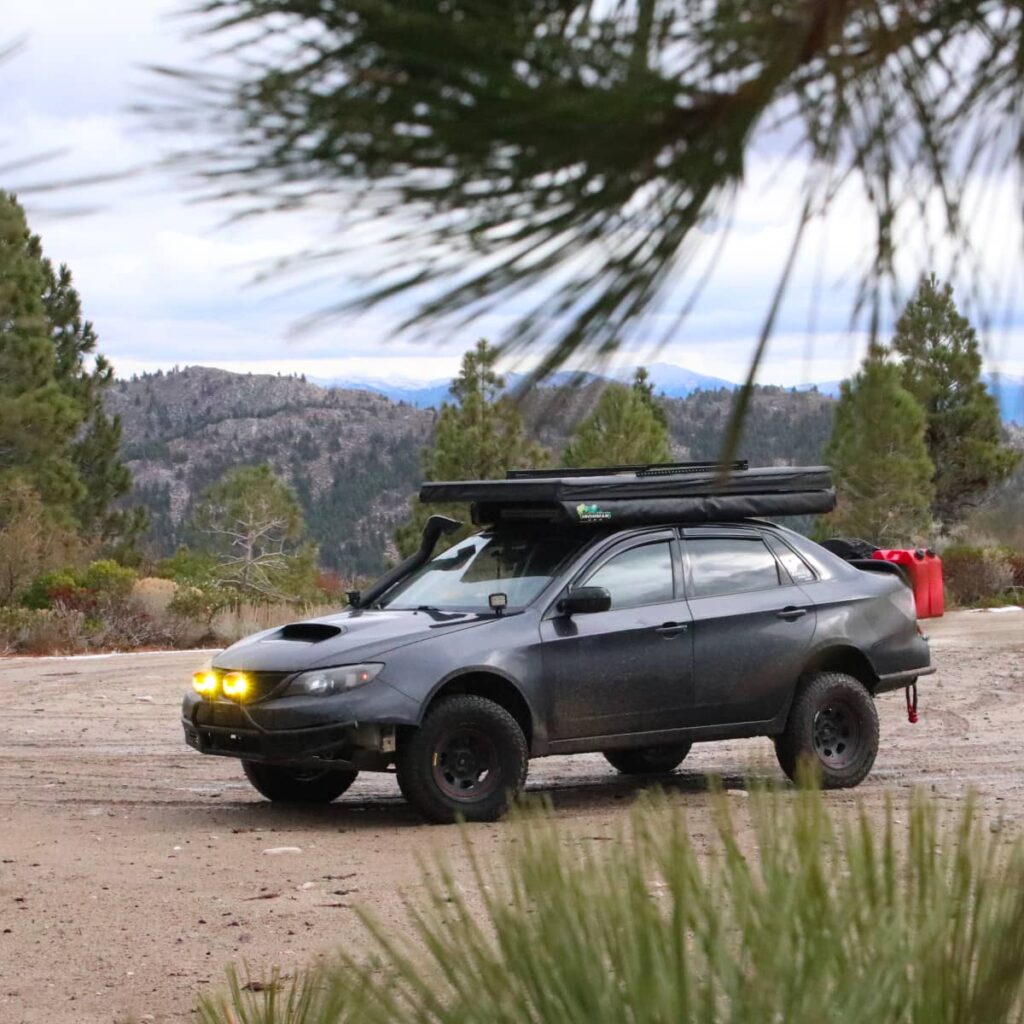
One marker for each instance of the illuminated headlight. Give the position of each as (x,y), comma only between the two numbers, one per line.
(235,685)
(324,681)
(204,682)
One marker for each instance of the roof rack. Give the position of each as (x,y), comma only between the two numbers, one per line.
(673,492)
(641,469)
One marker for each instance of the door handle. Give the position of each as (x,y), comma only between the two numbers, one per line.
(791,614)
(671,629)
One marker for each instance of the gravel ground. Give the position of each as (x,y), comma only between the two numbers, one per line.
(132,869)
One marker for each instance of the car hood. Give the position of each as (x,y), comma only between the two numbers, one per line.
(344,638)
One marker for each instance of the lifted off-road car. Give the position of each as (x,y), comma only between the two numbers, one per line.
(632,611)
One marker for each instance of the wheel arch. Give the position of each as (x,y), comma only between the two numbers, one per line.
(846,658)
(492,685)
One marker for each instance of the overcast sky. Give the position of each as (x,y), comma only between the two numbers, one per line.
(166,283)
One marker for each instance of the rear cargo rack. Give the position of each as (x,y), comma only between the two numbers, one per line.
(643,469)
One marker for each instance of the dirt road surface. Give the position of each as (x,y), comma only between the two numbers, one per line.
(132,869)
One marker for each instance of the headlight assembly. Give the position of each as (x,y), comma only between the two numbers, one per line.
(323,682)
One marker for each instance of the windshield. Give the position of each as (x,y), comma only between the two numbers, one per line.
(462,578)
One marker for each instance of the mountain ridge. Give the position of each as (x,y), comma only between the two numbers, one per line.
(353,456)
(669,380)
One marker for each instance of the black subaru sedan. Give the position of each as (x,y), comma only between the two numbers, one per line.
(627,613)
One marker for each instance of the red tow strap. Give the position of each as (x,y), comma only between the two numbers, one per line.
(912,703)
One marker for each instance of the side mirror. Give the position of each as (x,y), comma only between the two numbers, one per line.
(585,600)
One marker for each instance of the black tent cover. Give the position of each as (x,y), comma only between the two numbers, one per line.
(642,495)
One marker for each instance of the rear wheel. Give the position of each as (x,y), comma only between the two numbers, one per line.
(284,784)
(465,760)
(833,729)
(648,760)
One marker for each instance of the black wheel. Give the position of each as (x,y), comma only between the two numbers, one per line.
(285,784)
(648,760)
(833,727)
(465,760)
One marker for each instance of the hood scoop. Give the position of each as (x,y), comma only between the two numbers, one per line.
(307,632)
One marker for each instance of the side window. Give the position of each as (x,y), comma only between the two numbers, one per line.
(727,565)
(638,576)
(799,571)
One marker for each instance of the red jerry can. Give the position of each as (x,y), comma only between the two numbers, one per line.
(936,594)
(925,571)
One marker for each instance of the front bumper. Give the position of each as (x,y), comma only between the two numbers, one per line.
(353,730)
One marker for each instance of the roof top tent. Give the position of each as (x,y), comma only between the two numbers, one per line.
(616,496)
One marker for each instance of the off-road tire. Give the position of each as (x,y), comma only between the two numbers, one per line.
(648,760)
(833,729)
(463,737)
(284,784)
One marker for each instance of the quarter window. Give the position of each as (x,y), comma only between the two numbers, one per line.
(638,576)
(799,571)
(728,565)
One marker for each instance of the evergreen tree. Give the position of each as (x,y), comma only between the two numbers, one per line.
(882,470)
(627,427)
(96,452)
(53,424)
(645,388)
(479,436)
(38,421)
(941,366)
(252,522)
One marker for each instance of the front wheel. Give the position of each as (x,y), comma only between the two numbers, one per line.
(833,729)
(466,759)
(648,760)
(284,784)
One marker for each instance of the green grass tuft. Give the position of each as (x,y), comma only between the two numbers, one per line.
(805,918)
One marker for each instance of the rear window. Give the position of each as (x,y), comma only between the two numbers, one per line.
(730,565)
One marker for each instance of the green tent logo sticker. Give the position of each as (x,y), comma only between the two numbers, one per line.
(591,513)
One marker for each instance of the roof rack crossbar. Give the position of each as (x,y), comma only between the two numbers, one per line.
(643,469)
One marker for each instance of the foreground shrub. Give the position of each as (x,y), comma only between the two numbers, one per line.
(814,921)
(974,574)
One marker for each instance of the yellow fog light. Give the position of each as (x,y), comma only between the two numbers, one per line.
(235,685)
(204,682)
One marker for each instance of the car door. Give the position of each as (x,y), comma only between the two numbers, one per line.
(628,669)
(752,626)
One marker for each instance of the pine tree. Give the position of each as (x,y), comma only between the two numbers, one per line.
(627,427)
(38,420)
(645,387)
(479,436)
(96,452)
(253,524)
(882,470)
(941,367)
(54,431)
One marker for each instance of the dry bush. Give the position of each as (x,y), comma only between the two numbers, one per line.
(30,543)
(973,574)
(1015,558)
(153,596)
(42,631)
(238,622)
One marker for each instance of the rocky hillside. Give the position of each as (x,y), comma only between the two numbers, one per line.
(353,456)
